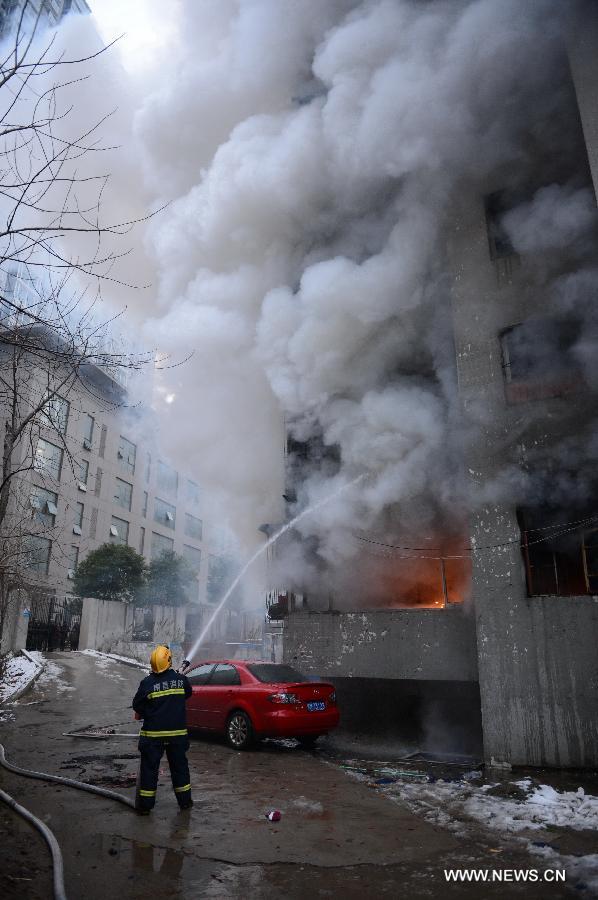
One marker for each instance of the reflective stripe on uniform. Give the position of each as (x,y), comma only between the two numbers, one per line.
(162,734)
(147,793)
(156,694)
(186,787)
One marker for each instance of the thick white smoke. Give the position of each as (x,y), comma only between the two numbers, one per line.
(310,154)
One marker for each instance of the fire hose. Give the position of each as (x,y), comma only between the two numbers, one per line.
(57,864)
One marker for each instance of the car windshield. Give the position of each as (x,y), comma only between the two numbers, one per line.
(269,673)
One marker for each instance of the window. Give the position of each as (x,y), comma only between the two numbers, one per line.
(201,674)
(48,459)
(271,673)
(148,467)
(193,527)
(167,479)
(539,359)
(141,540)
(43,504)
(127,453)
(123,494)
(78,518)
(144,504)
(119,531)
(496,206)
(88,427)
(225,674)
(560,559)
(193,557)
(55,414)
(161,544)
(192,493)
(164,513)
(37,553)
(83,472)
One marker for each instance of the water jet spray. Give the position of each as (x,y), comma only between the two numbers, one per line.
(260,551)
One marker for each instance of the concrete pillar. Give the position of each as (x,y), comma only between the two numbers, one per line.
(582,46)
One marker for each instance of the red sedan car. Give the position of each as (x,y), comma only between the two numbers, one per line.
(247,700)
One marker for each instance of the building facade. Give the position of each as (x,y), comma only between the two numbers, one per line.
(512,674)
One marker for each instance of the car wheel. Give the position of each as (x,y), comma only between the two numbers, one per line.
(239,730)
(308,740)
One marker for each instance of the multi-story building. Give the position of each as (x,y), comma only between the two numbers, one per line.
(91,468)
(48,12)
(512,674)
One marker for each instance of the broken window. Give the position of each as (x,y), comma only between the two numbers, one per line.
(539,359)
(560,552)
(37,553)
(55,414)
(161,544)
(88,427)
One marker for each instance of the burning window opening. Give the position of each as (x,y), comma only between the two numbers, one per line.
(539,359)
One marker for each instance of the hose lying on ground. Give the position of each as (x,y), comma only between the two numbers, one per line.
(58,869)
(90,788)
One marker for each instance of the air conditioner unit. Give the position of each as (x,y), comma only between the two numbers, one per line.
(114,531)
(52,508)
(70,574)
(77,529)
(86,444)
(169,517)
(82,487)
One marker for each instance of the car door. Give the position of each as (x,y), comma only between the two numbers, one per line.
(196,712)
(218,694)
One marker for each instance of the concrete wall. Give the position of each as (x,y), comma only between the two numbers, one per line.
(538,673)
(428,644)
(14,633)
(107,625)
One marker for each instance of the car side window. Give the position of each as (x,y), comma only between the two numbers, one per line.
(201,674)
(225,674)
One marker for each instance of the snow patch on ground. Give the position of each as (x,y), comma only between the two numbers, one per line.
(458,805)
(18,672)
(543,807)
(52,673)
(107,657)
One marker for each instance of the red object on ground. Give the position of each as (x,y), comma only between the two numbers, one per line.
(274,815)
(253,699)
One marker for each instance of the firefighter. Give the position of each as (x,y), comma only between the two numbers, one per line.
(160,702)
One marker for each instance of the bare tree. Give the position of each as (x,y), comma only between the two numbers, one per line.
(52,338)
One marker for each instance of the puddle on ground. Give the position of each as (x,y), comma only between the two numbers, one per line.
(143,855)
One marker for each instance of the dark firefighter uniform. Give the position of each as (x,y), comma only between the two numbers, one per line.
(160,702)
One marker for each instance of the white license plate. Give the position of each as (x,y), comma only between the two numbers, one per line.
(316,705)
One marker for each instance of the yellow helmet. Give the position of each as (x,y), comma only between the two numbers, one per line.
(161,659)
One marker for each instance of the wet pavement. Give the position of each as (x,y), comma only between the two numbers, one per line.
(338,837)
